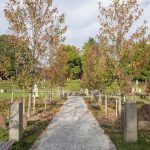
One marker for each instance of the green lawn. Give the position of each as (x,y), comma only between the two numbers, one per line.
(34,130)
(142,144)
(3,134)
(6,85)
(112,129)
(35,127)
(72,85)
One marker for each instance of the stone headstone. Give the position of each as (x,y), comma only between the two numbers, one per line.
(140,90)
(137,82)
(35,91)
(136,89)
(16,121)
(130,122)
(133,89)
(1,91)
(2,121)
(86,92)
(92,95)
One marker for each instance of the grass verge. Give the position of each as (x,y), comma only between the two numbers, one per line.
(3,134)
(111,128)
(31,134)
(36,126)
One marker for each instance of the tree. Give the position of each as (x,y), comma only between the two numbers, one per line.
(34,21)
(97,69)
(116,22)
(141,57)
(13,58)
(7,54)
(60,65)
(74,62)
(55,38)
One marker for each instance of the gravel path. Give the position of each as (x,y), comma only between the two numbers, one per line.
(74,128)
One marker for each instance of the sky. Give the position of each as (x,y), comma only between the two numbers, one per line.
(81,18)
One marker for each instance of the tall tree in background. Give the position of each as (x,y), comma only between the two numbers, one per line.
(116,21)
(13,60)
(141,57)
(31,21)
(7,54)
(74,62)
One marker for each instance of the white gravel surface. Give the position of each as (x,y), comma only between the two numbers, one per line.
(74,128)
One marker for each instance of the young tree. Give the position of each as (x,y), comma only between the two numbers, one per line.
(32,21)
(116,22)
(59,67)
(97,69)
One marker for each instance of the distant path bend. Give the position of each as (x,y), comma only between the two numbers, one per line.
(74,128)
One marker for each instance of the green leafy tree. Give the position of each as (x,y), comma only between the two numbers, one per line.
(13,58)
(74,62)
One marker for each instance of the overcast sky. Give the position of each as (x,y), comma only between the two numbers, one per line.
(81,18)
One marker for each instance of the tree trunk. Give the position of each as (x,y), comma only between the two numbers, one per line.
(106,106)
(45,100)
(119,106)
(124,98)
(30,103)
(58,91)
(116,107)
(100,98)
(24,102)
(12,96)
(34,102)
(50,92)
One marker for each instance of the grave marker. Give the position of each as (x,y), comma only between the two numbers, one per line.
(16,121)
(86,92)
(130,122)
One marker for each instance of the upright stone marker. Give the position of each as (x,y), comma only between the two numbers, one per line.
(16,121)
(92,95)
(35,91)
(130,122)
(86,92)
(1,91)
